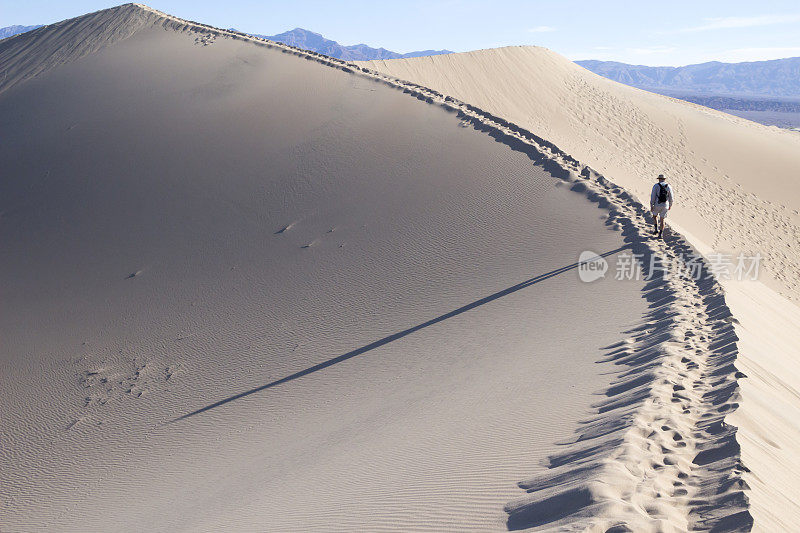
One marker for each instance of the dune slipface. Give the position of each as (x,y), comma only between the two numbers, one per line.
(246,290)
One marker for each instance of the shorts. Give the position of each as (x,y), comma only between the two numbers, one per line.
(660,210)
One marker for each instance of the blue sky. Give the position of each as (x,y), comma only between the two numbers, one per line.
(650,33)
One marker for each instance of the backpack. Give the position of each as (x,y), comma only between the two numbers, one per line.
(663,193)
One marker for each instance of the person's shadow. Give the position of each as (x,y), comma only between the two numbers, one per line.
(399,335)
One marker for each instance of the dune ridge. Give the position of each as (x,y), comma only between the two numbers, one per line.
(659,441)
(734,178)
(736,183)
(699,483)
(702,479)
(671,388)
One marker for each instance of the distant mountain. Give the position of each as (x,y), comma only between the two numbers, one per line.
(776,78)
(308,40)
(8,31)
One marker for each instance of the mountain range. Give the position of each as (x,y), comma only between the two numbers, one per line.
(308,40)
(776,78)
(8,31)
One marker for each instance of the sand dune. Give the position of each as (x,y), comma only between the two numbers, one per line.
(736,187)
(259,289)
(736,180)
(251,291)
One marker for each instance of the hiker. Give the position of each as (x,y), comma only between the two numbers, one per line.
(661,201)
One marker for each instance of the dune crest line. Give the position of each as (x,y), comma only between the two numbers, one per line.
(657,449)
(657,452)
(669,390)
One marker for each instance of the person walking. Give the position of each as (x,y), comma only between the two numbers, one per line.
(661,201)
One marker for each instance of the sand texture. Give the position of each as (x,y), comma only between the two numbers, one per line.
(254,288)
(736,189)
(735,180)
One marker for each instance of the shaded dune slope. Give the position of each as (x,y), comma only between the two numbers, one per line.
(202,218)
(23,56)
(657,453)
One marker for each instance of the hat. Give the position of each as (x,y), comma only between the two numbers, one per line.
(661,177)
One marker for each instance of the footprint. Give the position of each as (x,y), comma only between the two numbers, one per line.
(286,228)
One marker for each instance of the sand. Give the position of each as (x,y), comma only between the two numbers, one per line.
(187,218)
(736,188)
(259,289)
(735,179)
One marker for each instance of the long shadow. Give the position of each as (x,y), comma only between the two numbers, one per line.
(400,334)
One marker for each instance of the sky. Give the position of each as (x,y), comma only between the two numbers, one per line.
(672,33)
